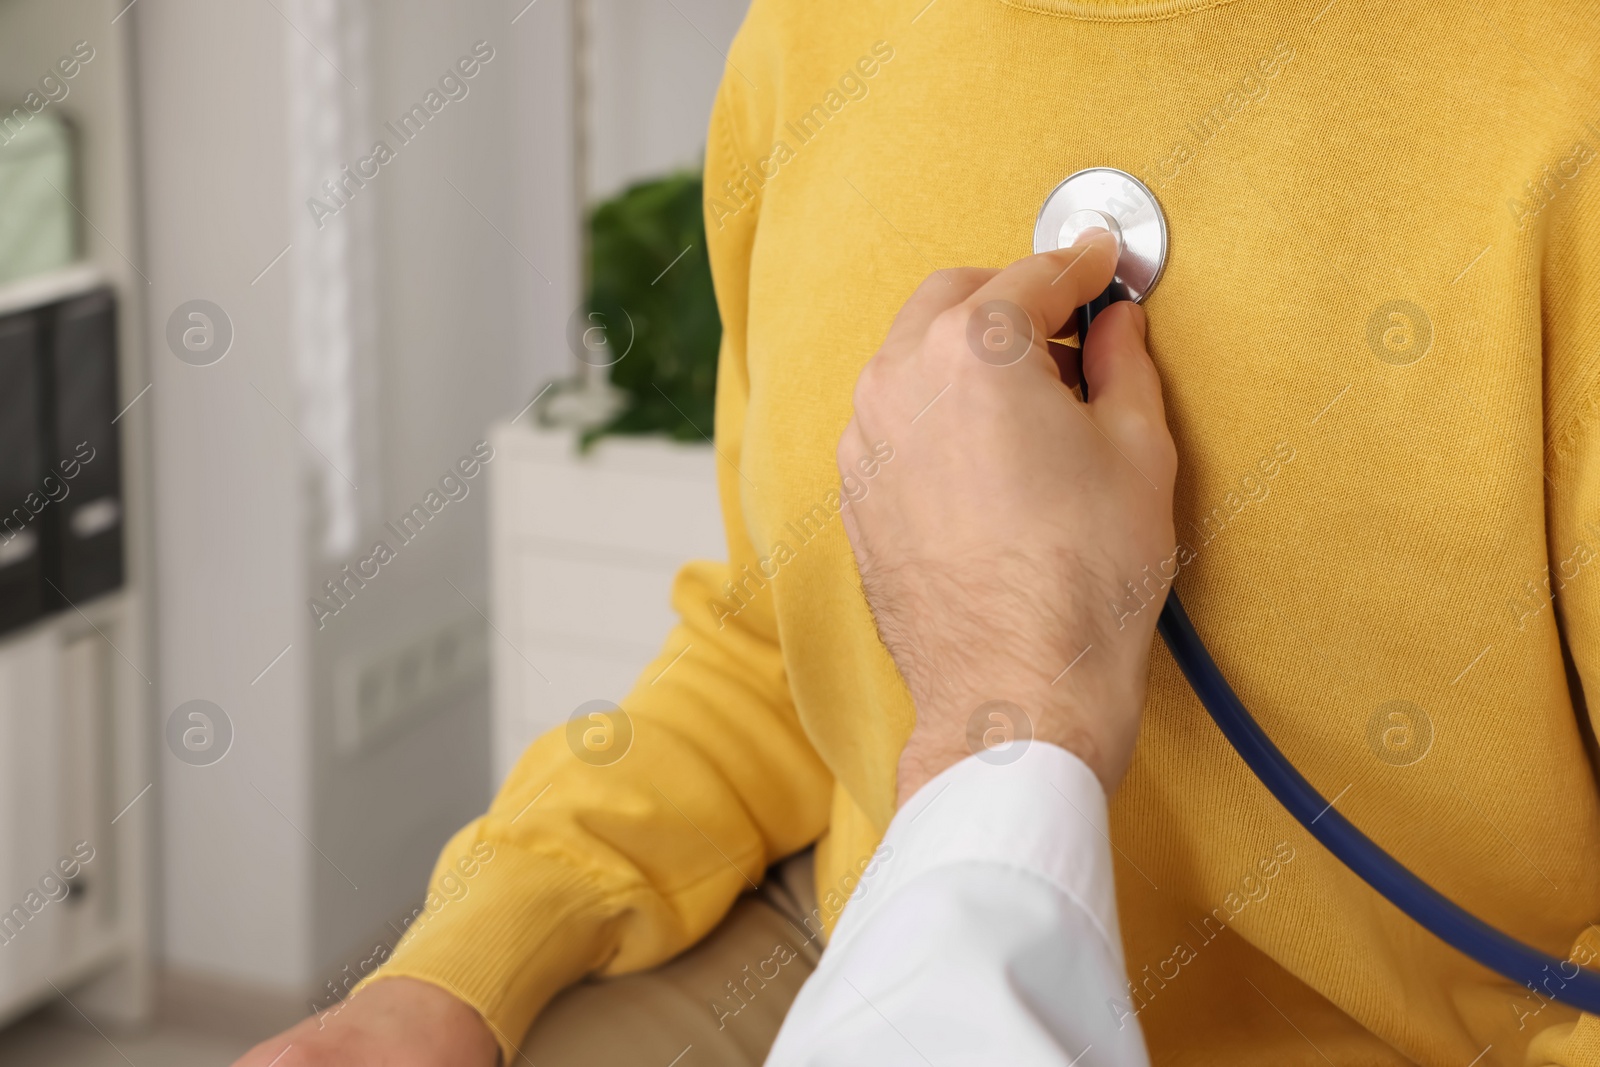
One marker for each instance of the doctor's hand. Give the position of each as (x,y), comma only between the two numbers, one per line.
(997,549)
(394,1022)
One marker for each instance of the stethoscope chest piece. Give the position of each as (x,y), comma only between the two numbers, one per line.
(1117,201)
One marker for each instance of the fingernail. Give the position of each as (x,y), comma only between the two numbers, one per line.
(1089,236)
(1086,226)
(1142,319)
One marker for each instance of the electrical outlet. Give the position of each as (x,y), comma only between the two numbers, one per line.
(388,691)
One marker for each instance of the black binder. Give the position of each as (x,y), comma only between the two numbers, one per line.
(22,537)
(86,557)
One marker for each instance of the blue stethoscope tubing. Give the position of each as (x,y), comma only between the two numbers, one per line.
(1557,979)
(1117,200)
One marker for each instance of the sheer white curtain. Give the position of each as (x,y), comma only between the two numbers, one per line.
(334,298)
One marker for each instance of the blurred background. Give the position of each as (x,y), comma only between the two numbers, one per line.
(355,365)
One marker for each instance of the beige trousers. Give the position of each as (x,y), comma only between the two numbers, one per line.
(718,1005)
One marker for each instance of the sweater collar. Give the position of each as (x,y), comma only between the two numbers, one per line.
(1116,10)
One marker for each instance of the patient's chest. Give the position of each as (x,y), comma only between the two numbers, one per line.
(1334,349)
(1349,335)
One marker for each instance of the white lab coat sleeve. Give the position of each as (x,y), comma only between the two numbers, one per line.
(984,932)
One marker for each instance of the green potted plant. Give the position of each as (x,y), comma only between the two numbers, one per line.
(649,319)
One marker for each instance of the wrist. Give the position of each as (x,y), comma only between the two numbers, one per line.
(997,731)
(443,1021)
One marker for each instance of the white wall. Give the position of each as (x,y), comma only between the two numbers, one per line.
(448,286)
(283,861)
(227,502)
(654,70)
(282,857)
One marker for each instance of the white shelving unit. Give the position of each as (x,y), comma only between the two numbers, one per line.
(76,687)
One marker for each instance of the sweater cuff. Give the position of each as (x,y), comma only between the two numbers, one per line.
(525,928)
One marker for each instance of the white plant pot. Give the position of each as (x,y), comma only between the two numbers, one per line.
(583,550)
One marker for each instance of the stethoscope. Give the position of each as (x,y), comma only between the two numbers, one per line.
(1119,202)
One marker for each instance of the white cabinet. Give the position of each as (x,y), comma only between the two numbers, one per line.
(30,810)
(583,549)
(73,838)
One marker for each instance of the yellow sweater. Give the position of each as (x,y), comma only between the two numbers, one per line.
(1379,335)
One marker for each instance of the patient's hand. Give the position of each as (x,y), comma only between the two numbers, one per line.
(395,1022)
(995,548)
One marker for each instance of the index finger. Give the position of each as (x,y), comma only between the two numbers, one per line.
(940,290)
(1049,286)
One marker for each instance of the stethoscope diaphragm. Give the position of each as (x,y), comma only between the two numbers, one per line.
(1117,201)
